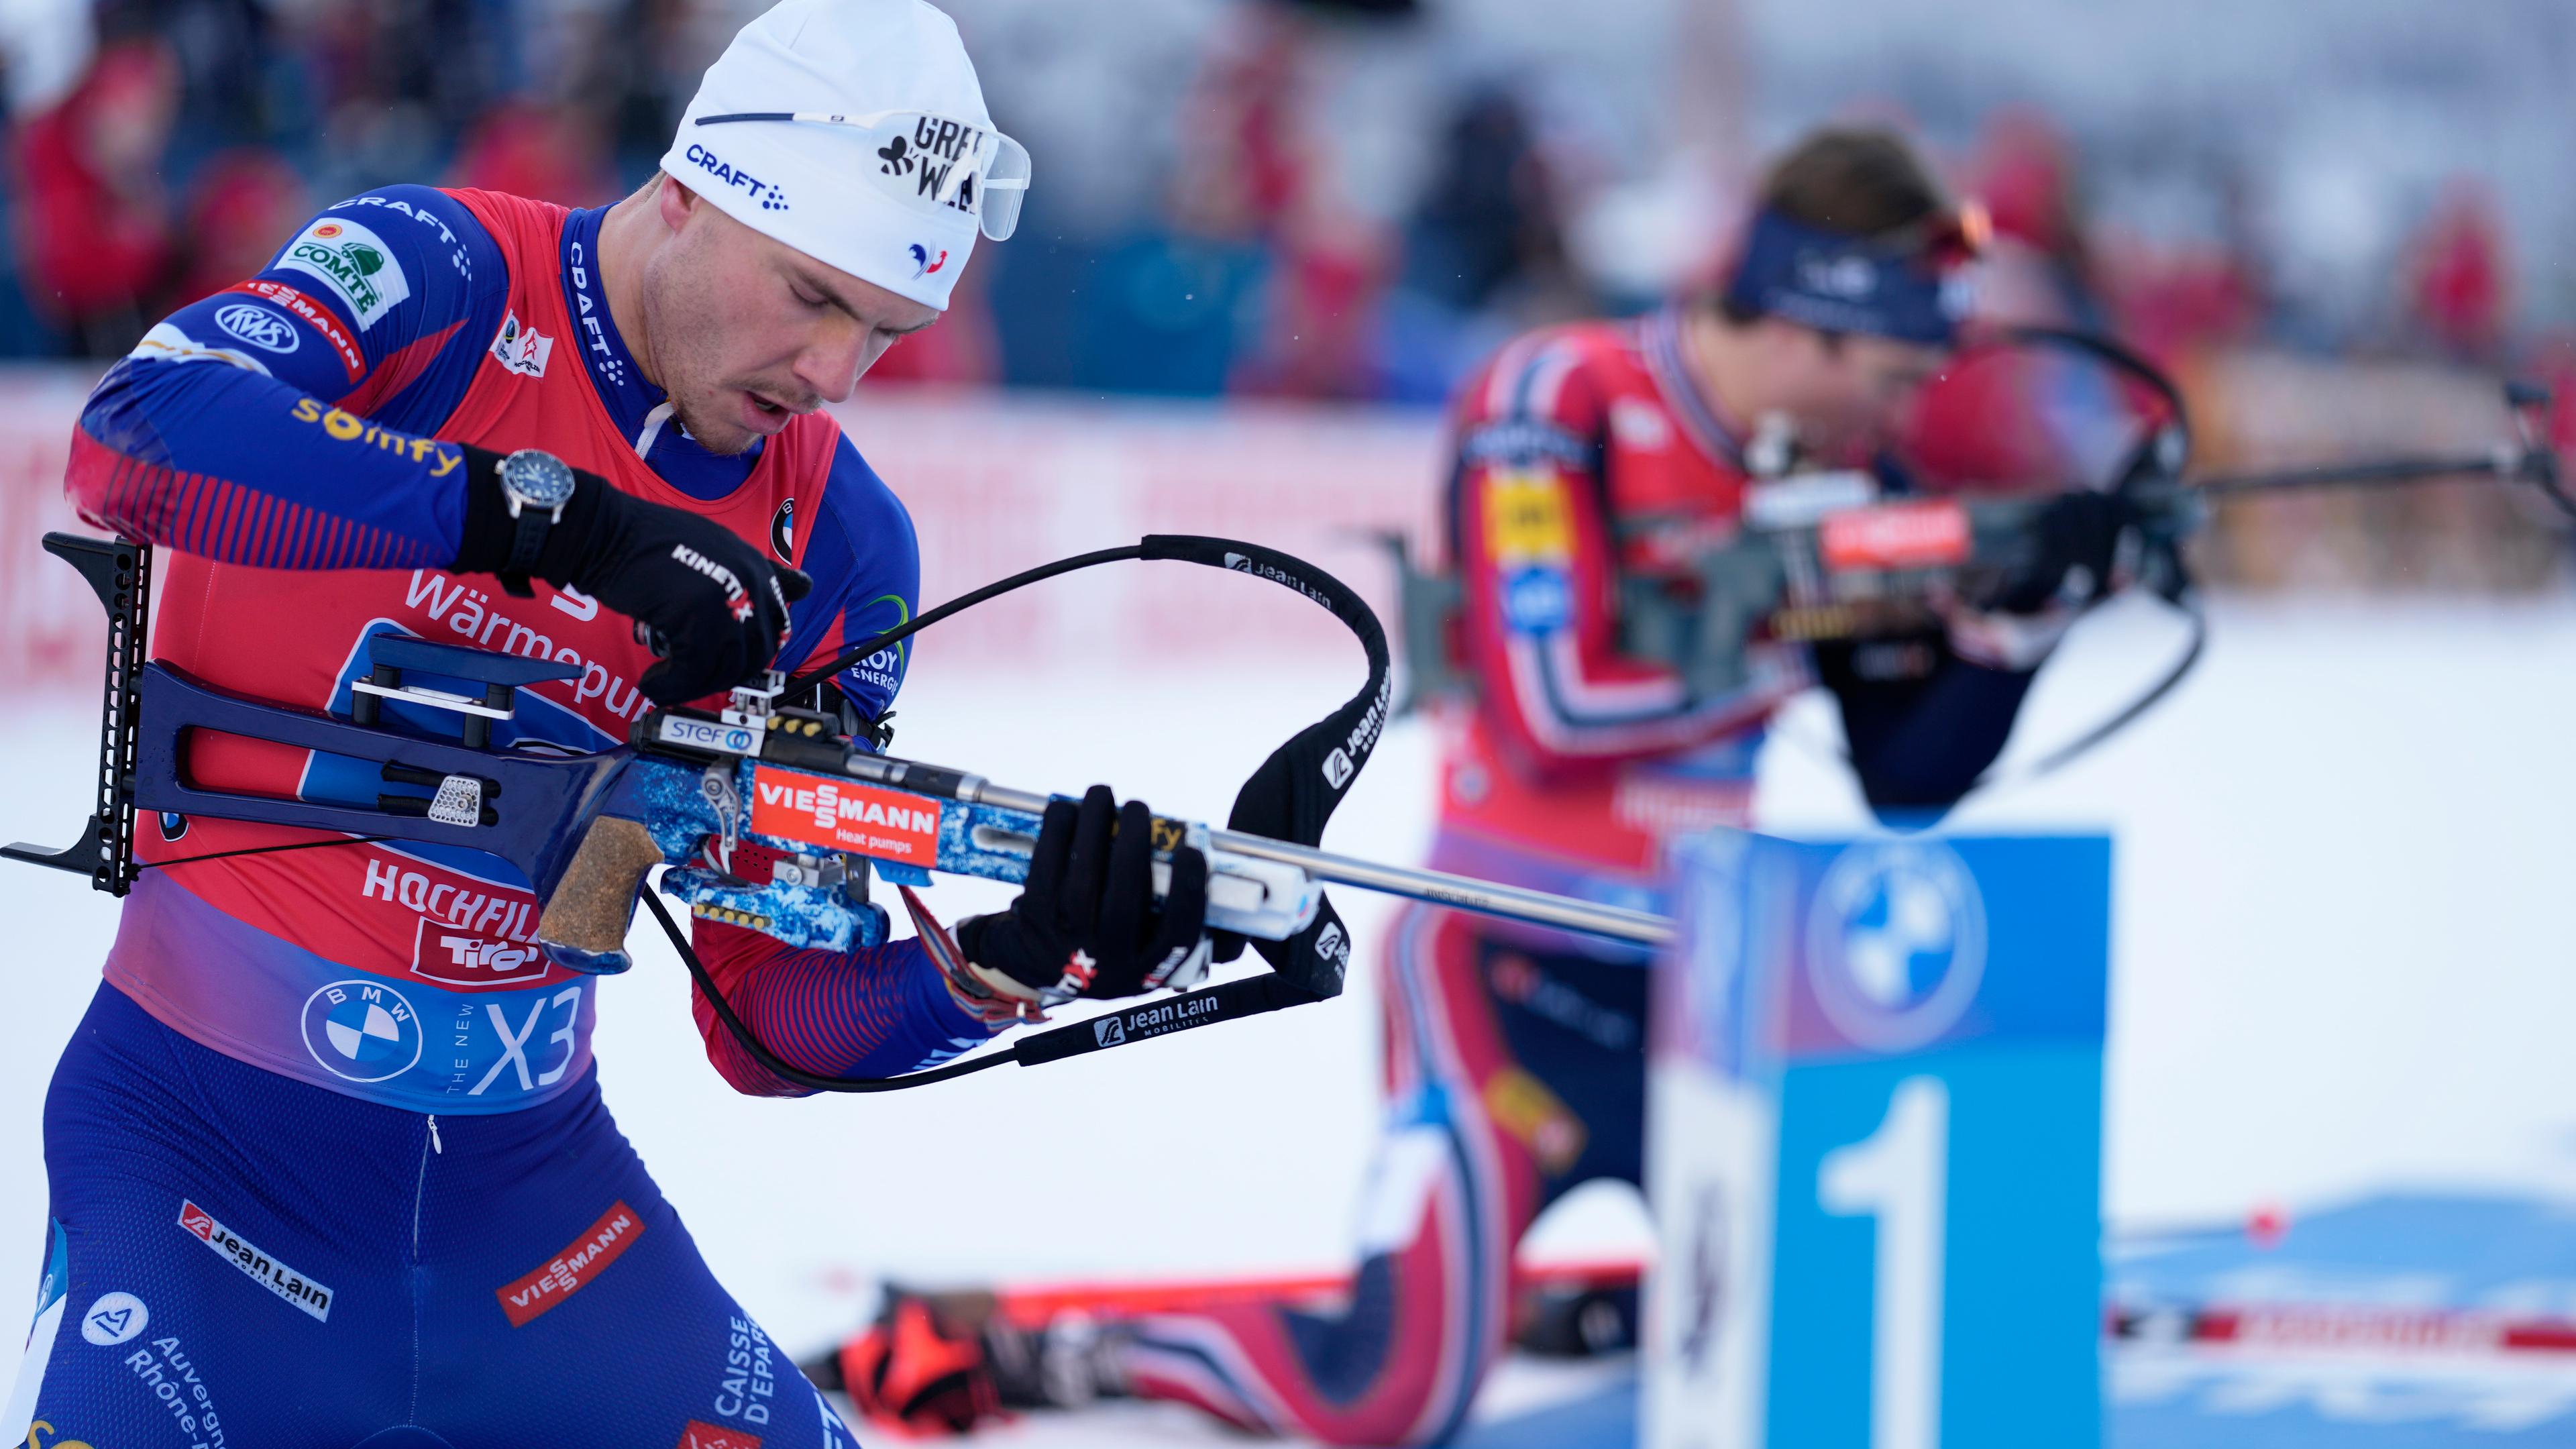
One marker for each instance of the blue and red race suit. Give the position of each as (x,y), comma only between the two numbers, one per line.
(282,1039)
(1515,1057)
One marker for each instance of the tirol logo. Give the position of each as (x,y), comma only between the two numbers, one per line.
(1108,1031)
(523,350)
(362,1031)
(257,326)
(844,815)
(442,951)
(782,532)
(115,1318)
(355,262)
(1896,942)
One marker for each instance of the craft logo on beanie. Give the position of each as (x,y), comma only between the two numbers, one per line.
(855,132)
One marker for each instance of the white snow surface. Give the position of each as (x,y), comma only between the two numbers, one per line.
(2341,962)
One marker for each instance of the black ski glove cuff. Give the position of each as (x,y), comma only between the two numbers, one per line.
(490,530)
(711,603)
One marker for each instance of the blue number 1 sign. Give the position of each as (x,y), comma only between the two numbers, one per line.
(1875,1146)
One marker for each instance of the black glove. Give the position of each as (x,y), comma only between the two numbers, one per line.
(2074,542)
(1086,922)
(712,605)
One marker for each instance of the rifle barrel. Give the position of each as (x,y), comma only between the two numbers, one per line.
(1537,908)
(2503,462)
(1439,888)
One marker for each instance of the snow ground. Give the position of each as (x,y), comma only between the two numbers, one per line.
(2340,963)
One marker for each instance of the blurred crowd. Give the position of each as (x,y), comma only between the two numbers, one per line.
(1311,198)
(161,148)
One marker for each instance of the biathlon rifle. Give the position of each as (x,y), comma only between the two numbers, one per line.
(767,816)
(1830,557)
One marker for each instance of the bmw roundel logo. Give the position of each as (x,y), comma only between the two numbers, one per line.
(782,532)
(1896,942)
(257,326)
(363,1031)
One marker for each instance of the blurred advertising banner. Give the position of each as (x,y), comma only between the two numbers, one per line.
(1875,1144)
(1001,481)
(55,632)
(996,482)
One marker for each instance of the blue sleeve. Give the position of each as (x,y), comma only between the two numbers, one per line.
(877,1012)
(1918,745)
(866,566)
(284,422)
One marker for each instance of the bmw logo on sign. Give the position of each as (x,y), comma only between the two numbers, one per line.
(362,1030)
(1896,942)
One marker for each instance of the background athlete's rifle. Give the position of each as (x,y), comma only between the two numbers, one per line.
(1829,557)
(769,817)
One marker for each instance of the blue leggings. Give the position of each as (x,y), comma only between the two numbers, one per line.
(238,1258)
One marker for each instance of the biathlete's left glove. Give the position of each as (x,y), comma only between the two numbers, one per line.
(1087,922)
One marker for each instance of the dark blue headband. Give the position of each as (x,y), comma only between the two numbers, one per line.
(1838,283)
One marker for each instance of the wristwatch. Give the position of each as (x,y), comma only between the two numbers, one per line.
(537,485)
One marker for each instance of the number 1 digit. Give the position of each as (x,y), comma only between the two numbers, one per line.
(1899,1175)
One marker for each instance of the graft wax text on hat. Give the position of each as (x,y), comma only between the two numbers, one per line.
(855,132)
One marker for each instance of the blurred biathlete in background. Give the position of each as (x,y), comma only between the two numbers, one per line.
(327,1156)
(1595,463)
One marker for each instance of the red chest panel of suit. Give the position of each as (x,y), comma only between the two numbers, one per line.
(1658,490)
(1672,494)
(299,637)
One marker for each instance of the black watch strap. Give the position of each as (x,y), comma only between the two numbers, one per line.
(527,543)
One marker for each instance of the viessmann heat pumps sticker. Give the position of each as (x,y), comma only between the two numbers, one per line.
(845,815)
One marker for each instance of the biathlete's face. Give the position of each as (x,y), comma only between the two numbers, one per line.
(1851,393)
(746,332)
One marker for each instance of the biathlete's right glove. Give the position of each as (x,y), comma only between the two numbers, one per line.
(1087,922)
(713,605)
(2072,562)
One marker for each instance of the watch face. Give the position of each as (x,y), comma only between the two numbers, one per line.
(537,479)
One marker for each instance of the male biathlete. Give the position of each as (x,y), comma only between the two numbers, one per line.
(328,1161)
(1596,464)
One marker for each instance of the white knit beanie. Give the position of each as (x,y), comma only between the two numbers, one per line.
(855,132)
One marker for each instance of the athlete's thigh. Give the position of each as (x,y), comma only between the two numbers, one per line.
(159,1322)
(573,1310)
(1544,1039)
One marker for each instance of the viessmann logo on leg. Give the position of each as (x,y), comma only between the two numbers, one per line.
(269,1273)
(842,815)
